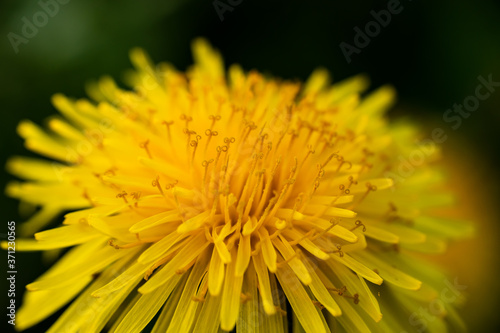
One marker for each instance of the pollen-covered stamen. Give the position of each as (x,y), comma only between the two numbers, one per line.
(339,291)
(136,196)
(354,297)
(365,167)
(358,224)
(328,159)
(310,151)
(205,164)
(304,124)
(214,118)
(156,183)
(194,144)
(213,176)
(341,161)
(351,181)
(209,133)
(339,251)
(188,142)
(264,216)
(265,193)
(288,184)
(170,186)
(257,185)
(269,148)
(168,124)
(112,243)
(294,134)
(369,188)
(328,142)
(123,195)
(249,127)
(309,235)
(242,196)
(342,292)
(224,179)
(280,140)
(187,119)
(296,205)
(229,141)
(317,180)
(343,190)
(144,145)
(261,139)
(318,304)
(333,223)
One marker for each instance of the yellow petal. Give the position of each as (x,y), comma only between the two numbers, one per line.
(193,223)
(387,271)
(190,250)
(38,305)
(268,251)
(35,169)
(306,243)
(155,220)
(86,266)
(321,293)
(147,306)
(133,273)
(264,284)
(208,320)
(380,234)
(358,267)
(295,263)
(248,318)
(160,248)
(230,296)
(208,60)
(301,304)
(215,274)
(68,109)
(331,211)
(243,256)
(185,311)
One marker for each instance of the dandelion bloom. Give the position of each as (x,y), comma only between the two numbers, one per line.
(208,201)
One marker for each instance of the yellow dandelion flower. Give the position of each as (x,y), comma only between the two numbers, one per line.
(209,201)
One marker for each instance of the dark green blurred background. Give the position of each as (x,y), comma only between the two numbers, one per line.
(432,52)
